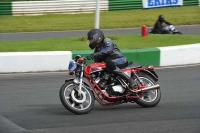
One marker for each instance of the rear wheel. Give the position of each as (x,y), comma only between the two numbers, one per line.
(72,101)
(149,98)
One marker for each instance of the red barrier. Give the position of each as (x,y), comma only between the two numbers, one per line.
(144,30)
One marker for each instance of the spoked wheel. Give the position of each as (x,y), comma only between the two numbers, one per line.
(149,98)
(75,102)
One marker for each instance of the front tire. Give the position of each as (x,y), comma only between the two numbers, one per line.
(73,102)
(149,98)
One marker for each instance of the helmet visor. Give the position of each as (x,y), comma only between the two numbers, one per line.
(91,43)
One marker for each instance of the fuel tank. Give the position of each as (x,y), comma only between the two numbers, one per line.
(94,67)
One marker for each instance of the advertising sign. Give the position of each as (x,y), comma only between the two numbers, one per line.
(161,3)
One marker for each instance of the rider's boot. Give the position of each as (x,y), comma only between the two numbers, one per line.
(131,82)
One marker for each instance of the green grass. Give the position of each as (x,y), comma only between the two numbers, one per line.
(186,15)
(130,41)
(116,19)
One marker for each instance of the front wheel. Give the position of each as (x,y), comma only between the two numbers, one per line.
(176,32)
(72,101)
(149,98)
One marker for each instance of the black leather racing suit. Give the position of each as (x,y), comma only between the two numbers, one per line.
(158,28)
(109,53)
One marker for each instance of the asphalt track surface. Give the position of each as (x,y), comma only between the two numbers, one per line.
(190,29)
(29,103)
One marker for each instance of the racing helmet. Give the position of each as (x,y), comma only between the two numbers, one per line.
(161,18)
(97,36)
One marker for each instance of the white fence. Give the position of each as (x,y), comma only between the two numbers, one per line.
(57,6)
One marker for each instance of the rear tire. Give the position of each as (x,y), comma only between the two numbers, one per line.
(150,98)
(73,102)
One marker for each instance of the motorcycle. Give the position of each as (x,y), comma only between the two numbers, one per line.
(170,29)
(78,95)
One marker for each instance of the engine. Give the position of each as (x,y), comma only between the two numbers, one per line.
(108,83)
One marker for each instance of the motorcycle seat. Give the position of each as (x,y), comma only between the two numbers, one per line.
(133,65)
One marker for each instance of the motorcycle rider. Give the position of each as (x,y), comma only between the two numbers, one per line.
(158,28)
(107,51)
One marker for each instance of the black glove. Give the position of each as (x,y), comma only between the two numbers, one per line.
(77,57)
(90,57)
(95,55)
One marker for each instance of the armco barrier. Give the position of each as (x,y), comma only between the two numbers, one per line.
(190,2)
(5,8)
(52,6)
(58,60)
(115,5)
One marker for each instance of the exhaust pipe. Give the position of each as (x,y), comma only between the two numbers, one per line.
(157,86)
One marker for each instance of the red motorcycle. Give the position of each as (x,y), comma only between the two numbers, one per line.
(78,94)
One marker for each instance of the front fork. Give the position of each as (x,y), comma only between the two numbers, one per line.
(81,80)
